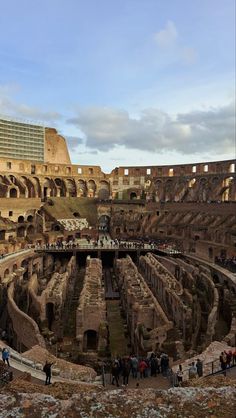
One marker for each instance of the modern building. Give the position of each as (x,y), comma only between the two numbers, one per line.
(21,141)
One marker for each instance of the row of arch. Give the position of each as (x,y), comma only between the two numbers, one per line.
(34,187)
(195,189)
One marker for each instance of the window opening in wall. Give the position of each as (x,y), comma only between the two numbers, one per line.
(126,171)
(205,168)
(232,168)
(56,168)
(171,172)
(159,171)
(148,171)
(9,165)
(79,170)
(90,170)
(194,169)
(45,167)
(157,212)
(33,169)
(68,170)
(10,213)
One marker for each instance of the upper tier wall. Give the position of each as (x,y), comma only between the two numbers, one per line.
(55,167)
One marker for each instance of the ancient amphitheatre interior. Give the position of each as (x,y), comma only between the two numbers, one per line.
(94,264)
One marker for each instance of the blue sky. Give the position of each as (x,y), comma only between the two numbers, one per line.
(126,82)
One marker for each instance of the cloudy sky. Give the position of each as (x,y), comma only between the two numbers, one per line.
(127,82)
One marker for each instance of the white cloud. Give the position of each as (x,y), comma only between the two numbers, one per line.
(167,36)
(10,108)
(211,130)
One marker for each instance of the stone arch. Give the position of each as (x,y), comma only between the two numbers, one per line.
(21,219)
(91,186)
(47,187)
(6,273)
(21,231)
(37,187)
(133,195)
(30,187)
(103,190)
(227,186)
(30,218)
(13,193)
(2,235)
(168,190)
(158,190)
(61,187)
(81,188)
(90,340)
(203,188)
(71,188)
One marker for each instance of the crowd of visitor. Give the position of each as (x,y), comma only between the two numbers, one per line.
(154,365)
(138,367)
(227,360)
(227,263)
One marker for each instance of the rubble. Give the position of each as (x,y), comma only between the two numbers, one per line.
(59,400)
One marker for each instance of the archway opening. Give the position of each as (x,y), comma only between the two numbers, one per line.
(133,195)
(13,193)
(90,340)
(21,232)
(30,218)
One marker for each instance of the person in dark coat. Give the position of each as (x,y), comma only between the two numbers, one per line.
(47,370)
(199,366)
(115,370)
(126,371)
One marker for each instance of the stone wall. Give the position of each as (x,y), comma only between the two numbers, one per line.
(24,327)
(147,323)
(91,311)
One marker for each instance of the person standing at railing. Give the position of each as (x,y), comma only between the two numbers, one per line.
(192,372)
(234,357)
(5,356)
(180,375)
(199,366)
(223,362)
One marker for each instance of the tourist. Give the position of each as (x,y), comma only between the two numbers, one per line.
(125,370)
(180,375)
(47,370)
(142,368)
(115,370)
(192,372)
(153,364)
(164,364)
(223,362)
(199,366)
(234,357)
(134,366)
(229,356)
(5,356)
